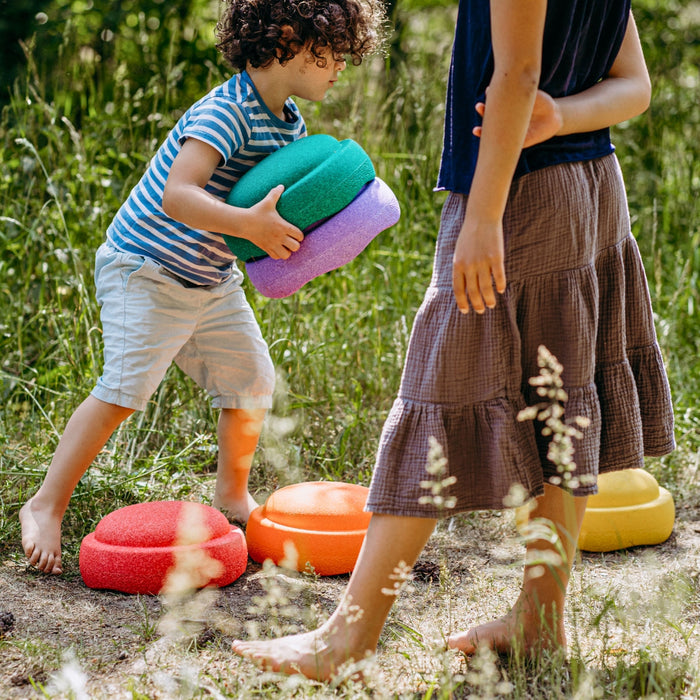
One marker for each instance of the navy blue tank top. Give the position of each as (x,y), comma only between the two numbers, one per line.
(581,41)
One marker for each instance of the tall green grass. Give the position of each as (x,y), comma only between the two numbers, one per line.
(338,344)
(660,155)
(74,140)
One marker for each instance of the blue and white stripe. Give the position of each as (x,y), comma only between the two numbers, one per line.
(236,122)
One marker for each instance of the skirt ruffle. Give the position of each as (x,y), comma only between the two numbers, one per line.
(576,285)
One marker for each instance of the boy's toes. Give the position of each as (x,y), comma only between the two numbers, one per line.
(54,566)
(42,562)
(46,562)
(29,550)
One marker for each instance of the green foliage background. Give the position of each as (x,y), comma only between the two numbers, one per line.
(96,89)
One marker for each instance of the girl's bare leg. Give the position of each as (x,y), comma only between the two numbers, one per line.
(536,621)
(352,632)
(86,433)
(238,433)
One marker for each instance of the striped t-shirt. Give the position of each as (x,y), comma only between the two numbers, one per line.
(236,122)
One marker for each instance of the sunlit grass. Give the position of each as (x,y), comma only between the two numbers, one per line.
(68,158)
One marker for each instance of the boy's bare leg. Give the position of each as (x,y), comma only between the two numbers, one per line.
(391,542)
(238,433)
(85,435)
(536,621)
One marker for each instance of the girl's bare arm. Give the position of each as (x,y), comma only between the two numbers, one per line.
(623,94)
(517,28)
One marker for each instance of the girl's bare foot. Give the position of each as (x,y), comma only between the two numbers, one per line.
(517,633)
(237,511)
(309,654)
(41,537)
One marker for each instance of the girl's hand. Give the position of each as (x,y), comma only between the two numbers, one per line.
(545,120)
(478,266)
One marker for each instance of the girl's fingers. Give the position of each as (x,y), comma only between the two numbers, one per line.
(499,278)
(459,289)
(474,293)
(478,290)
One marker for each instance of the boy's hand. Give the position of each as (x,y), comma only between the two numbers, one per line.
(545,121)
(186,200)
(269,231)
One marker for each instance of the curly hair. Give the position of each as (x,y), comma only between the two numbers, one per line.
(259,32)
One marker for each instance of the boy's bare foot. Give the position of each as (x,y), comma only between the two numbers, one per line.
(237,511)
(309,654)
(41,537)
(513,633)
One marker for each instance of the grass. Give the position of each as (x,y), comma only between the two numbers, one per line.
(70,149)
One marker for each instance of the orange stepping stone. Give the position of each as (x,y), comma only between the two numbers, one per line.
(323,520)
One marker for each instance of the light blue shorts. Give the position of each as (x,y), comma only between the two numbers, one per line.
(150,318)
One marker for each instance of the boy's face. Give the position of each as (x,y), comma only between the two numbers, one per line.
(308,80)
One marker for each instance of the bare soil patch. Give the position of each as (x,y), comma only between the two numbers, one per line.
(621,602)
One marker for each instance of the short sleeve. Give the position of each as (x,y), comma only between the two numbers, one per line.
(222,125)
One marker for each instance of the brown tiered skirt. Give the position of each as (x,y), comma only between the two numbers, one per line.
(576,285)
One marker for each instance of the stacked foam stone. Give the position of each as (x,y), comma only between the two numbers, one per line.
(331,193)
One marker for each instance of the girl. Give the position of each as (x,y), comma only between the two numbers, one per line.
(547,229)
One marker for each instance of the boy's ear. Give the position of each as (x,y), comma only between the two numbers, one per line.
(287,38)
(289,42)
(287,32)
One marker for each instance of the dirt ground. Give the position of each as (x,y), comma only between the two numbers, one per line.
(53,629)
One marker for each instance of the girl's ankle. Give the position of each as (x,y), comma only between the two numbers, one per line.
(540,624)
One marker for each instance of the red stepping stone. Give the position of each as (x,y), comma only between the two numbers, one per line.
(163,546)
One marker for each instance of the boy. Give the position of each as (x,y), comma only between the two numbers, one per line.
(166,282)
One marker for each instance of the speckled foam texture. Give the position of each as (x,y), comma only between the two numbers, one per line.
(321,176)
(325,521)
(162,546)
(629,510)
(332,244)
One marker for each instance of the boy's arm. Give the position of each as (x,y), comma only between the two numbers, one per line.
(186,200)
(623,94)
